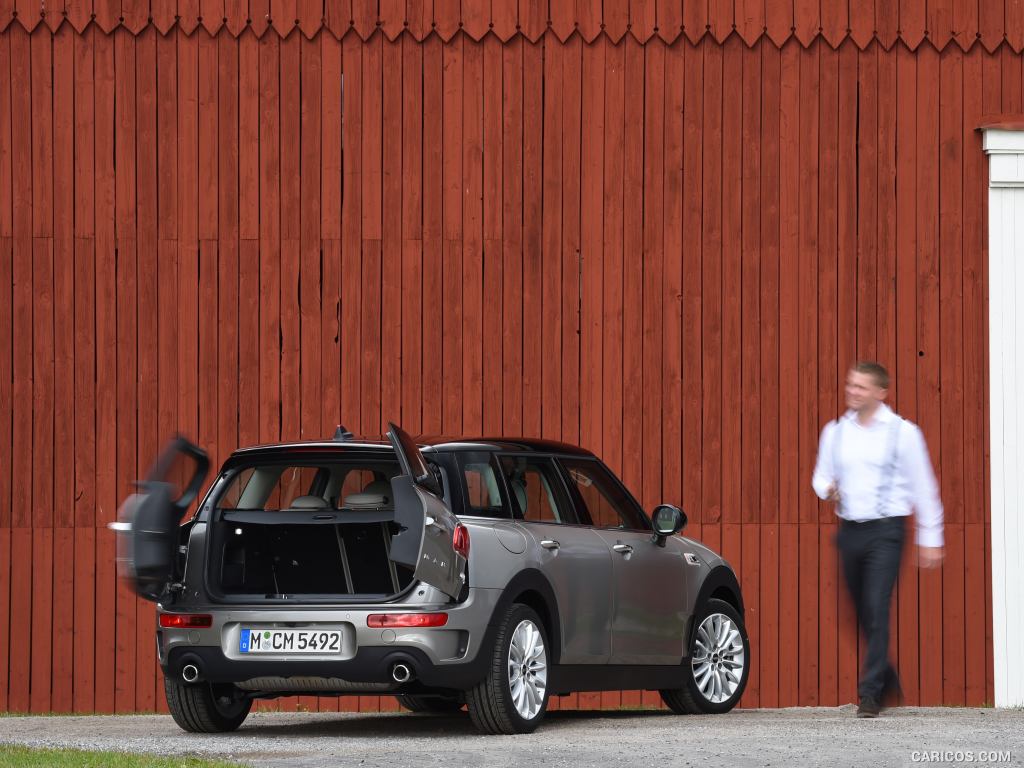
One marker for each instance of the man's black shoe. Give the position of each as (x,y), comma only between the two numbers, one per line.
(868,707)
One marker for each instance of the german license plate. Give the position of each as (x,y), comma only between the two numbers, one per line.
(319,641)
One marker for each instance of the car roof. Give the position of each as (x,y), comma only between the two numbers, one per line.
(429,444)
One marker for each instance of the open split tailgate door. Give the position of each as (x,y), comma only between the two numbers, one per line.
(426,541)
(147,522)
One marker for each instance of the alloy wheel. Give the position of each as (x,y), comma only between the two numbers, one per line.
(718,658)
(527,669)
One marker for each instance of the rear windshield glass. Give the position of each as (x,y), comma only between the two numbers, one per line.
(353,483)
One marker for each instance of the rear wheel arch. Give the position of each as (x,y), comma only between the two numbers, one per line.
(530,587)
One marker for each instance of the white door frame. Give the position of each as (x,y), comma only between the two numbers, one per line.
(1005,150)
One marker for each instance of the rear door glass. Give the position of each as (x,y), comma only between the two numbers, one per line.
(538,494)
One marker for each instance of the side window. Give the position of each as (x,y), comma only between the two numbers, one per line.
(481,489)
(604,499)
(536,490)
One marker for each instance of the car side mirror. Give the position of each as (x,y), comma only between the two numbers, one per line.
(668,520)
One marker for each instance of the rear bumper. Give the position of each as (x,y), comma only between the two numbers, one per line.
(371,665)
(446,657)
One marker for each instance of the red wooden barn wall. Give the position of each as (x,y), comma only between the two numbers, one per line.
(656,229)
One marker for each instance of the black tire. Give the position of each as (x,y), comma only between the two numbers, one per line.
(490,702)
(204,708)
(429,704)
(689,700)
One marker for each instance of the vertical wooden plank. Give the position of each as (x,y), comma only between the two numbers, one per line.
(312,401)
(412,394)
(570,228)
(330,232)
(127,342)
(846,307)
(106,366)
(6,190)
(533,106)
(551,285)
(270,239)
(905,370)
(85,379)
(208,253)
(807,365)
(5,582)
(975,367)
(147,327)
(611,318)
(867,209)
(632,278)
(370,325)
(789,493)
(493,274)
(750,300)
(351,229)
(42,368)
(769,374)
(433,226)
(732,280)
(228,339)
(693,184)
(393,279)
(64,404)
(828,362)
(290,202)
(951,365)
(512,184)
(711,296)
(472,237)
(672,285)
(188,233)
(930,582)
(652,266)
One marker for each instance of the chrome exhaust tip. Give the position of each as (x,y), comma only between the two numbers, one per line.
(400,673)
(190,673)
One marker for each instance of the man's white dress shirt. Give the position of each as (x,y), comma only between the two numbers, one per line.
(881,470)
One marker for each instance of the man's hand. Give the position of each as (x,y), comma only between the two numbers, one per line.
(833,493)
(930,557)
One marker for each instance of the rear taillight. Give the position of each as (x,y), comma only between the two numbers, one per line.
(186,620)
(460,540)
(406,620)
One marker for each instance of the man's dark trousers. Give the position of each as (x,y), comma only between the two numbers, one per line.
(870,553)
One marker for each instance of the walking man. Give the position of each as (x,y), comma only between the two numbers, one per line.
(874,465)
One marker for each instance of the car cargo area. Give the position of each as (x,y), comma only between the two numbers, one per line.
(321,530)
(280,559)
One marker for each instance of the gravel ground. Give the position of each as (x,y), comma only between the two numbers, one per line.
(800,736)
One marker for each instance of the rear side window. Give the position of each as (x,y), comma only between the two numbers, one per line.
(481,488)
(537,490)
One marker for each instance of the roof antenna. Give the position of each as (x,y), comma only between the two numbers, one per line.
(341,434)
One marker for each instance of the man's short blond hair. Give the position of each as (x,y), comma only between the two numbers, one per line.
(875,370)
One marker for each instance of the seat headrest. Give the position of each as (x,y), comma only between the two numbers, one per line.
(374,496)
(519,489)
(308,502)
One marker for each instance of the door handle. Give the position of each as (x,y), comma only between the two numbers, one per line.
(550,544)
(622,549)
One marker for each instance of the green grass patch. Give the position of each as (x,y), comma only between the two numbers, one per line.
(31,757)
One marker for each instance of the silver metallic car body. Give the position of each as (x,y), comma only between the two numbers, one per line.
(617,601)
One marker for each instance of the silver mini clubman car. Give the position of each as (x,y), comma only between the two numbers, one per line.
(490,573)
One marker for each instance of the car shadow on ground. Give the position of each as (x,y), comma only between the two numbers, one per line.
(408,725)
